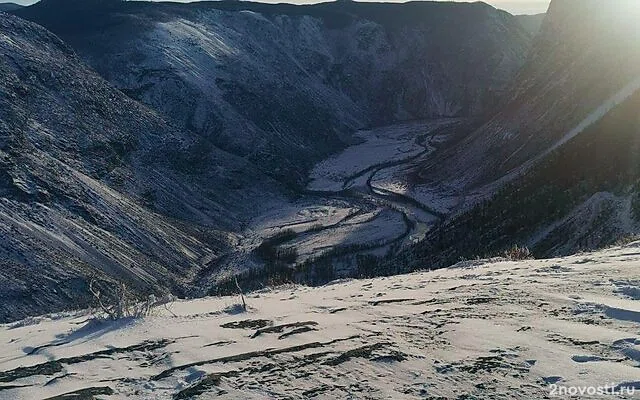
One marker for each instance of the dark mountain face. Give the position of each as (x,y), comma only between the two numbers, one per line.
(285,85)
(6,7)
(562,153)
(531,23)
(582,196)
(585,55)
(93,184)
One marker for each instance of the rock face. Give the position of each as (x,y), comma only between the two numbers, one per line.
(93,184)
(285,85)
(556,167)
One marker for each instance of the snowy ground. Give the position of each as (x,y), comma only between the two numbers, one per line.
(379,146)
(378,226)
(301,216)
(502,330)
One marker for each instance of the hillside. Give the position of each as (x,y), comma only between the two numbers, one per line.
(284,85)
(555,169)
(531,23)
(583,195)
(93,184)
(6,7)
(488,330)
(572,78)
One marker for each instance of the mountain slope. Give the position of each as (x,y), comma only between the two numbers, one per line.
(507,330)
(583,195)
(93,184)
(285,85)
(531,23)
(574,75)
(6,7)
(556,169)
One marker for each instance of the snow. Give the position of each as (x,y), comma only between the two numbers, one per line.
(379,226)
(485,329)
(379,146)
(300,216)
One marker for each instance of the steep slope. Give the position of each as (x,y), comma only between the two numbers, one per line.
(584,61)
(489,330)
(583,195)
(285,85)
(564,150)
(531,23)
(93,184)
(6,7)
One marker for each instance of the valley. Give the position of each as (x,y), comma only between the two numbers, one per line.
(241,130)
(192,149)
(355,200)
(422,200)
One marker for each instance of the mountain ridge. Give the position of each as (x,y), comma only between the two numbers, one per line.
(354,64)
(95,185)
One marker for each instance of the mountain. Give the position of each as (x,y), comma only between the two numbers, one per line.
(96,185)
(177,156)
(285,85)
(6,7)
(573,73)
(556,167)
(531,23)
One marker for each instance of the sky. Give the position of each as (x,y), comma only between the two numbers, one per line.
(513,6)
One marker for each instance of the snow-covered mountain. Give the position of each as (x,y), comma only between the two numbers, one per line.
(94,184)
(286,85)
(484,330)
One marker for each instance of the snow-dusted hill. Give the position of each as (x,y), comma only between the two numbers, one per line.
(94,184)
(286,85)
(487,330)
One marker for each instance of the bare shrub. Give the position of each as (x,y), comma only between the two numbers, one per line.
(117,302)
(517,253)
(244,303)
